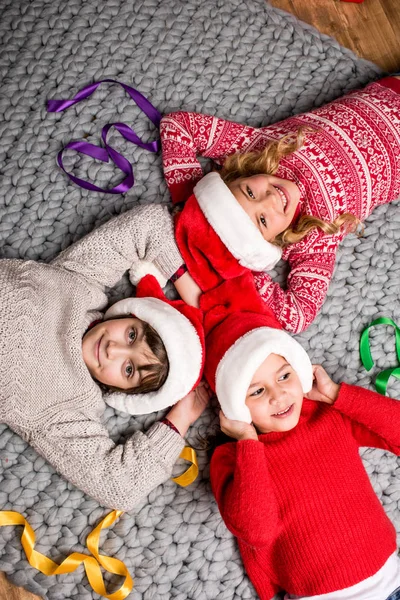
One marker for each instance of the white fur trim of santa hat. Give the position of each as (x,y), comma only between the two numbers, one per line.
(184,351)
(233,225)
(239,363)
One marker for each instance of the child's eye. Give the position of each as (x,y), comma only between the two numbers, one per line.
(257,392)
(250,193)
(132,336)
(128,370)
(263,221)
(284,377)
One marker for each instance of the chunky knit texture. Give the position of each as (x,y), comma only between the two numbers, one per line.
(338,169)
(245,61)
(300,502)
(47,393)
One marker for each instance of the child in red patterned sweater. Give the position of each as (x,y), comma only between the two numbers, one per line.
(292,487)
(304,182)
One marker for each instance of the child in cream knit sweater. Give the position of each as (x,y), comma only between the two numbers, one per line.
(52,363)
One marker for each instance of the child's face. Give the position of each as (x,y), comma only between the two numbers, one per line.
(114,351)
(275,396)
(269,201)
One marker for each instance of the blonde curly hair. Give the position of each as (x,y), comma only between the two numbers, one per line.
(266,161)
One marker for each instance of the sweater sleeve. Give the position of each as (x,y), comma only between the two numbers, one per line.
(116,475)
(185,136)
(311,265)
(144,233)
(375,419)
(242,487)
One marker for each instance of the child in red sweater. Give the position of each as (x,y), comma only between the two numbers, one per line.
(293,488)
(304,182)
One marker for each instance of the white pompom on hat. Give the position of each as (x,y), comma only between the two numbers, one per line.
(241,332)
(180,328)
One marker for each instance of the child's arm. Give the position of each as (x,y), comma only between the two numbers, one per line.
(311,270)
(144,233)
(241,484)
(188,290)
(374,419)
(185,136)
(117,475)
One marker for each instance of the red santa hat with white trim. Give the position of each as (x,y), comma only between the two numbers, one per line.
(180,327)
(217,238)
(241,332)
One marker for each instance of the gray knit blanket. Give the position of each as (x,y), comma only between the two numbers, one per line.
(240,60)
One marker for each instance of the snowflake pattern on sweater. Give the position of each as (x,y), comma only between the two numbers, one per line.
(349,163)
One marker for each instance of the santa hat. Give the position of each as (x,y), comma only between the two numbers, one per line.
(241,332)
(217,238)
(180,328)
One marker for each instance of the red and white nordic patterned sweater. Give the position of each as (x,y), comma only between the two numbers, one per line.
(301,504)
(350,164)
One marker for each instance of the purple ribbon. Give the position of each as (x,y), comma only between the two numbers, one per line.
(108,152)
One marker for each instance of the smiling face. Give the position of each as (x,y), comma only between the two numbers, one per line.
(269,201)
(275,396)
(116,353)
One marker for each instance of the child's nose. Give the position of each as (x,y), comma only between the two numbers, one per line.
(113,350)
(277,398)
(268,197)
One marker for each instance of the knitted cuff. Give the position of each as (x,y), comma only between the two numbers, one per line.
(168,442)
(169,258)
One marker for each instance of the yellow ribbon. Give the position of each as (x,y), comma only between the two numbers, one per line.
(73,561)
(91,563)
(191,473)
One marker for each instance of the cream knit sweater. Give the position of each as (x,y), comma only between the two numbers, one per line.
(47,395)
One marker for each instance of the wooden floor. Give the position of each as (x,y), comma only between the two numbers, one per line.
(10,592)
(371,30)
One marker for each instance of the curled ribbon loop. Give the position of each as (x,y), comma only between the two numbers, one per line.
(191,473)
(73,561)
(91,563)
(104,154)
(382,379)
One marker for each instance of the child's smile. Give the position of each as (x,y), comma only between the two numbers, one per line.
(269,201)
(287,412)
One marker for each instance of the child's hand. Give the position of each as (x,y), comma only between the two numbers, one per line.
(323,389)
(239,430)
(185,412)
(188,290)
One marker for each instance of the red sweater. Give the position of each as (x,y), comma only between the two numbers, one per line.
(351,164)
(301,504)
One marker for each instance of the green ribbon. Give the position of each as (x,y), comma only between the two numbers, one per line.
(382,379)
